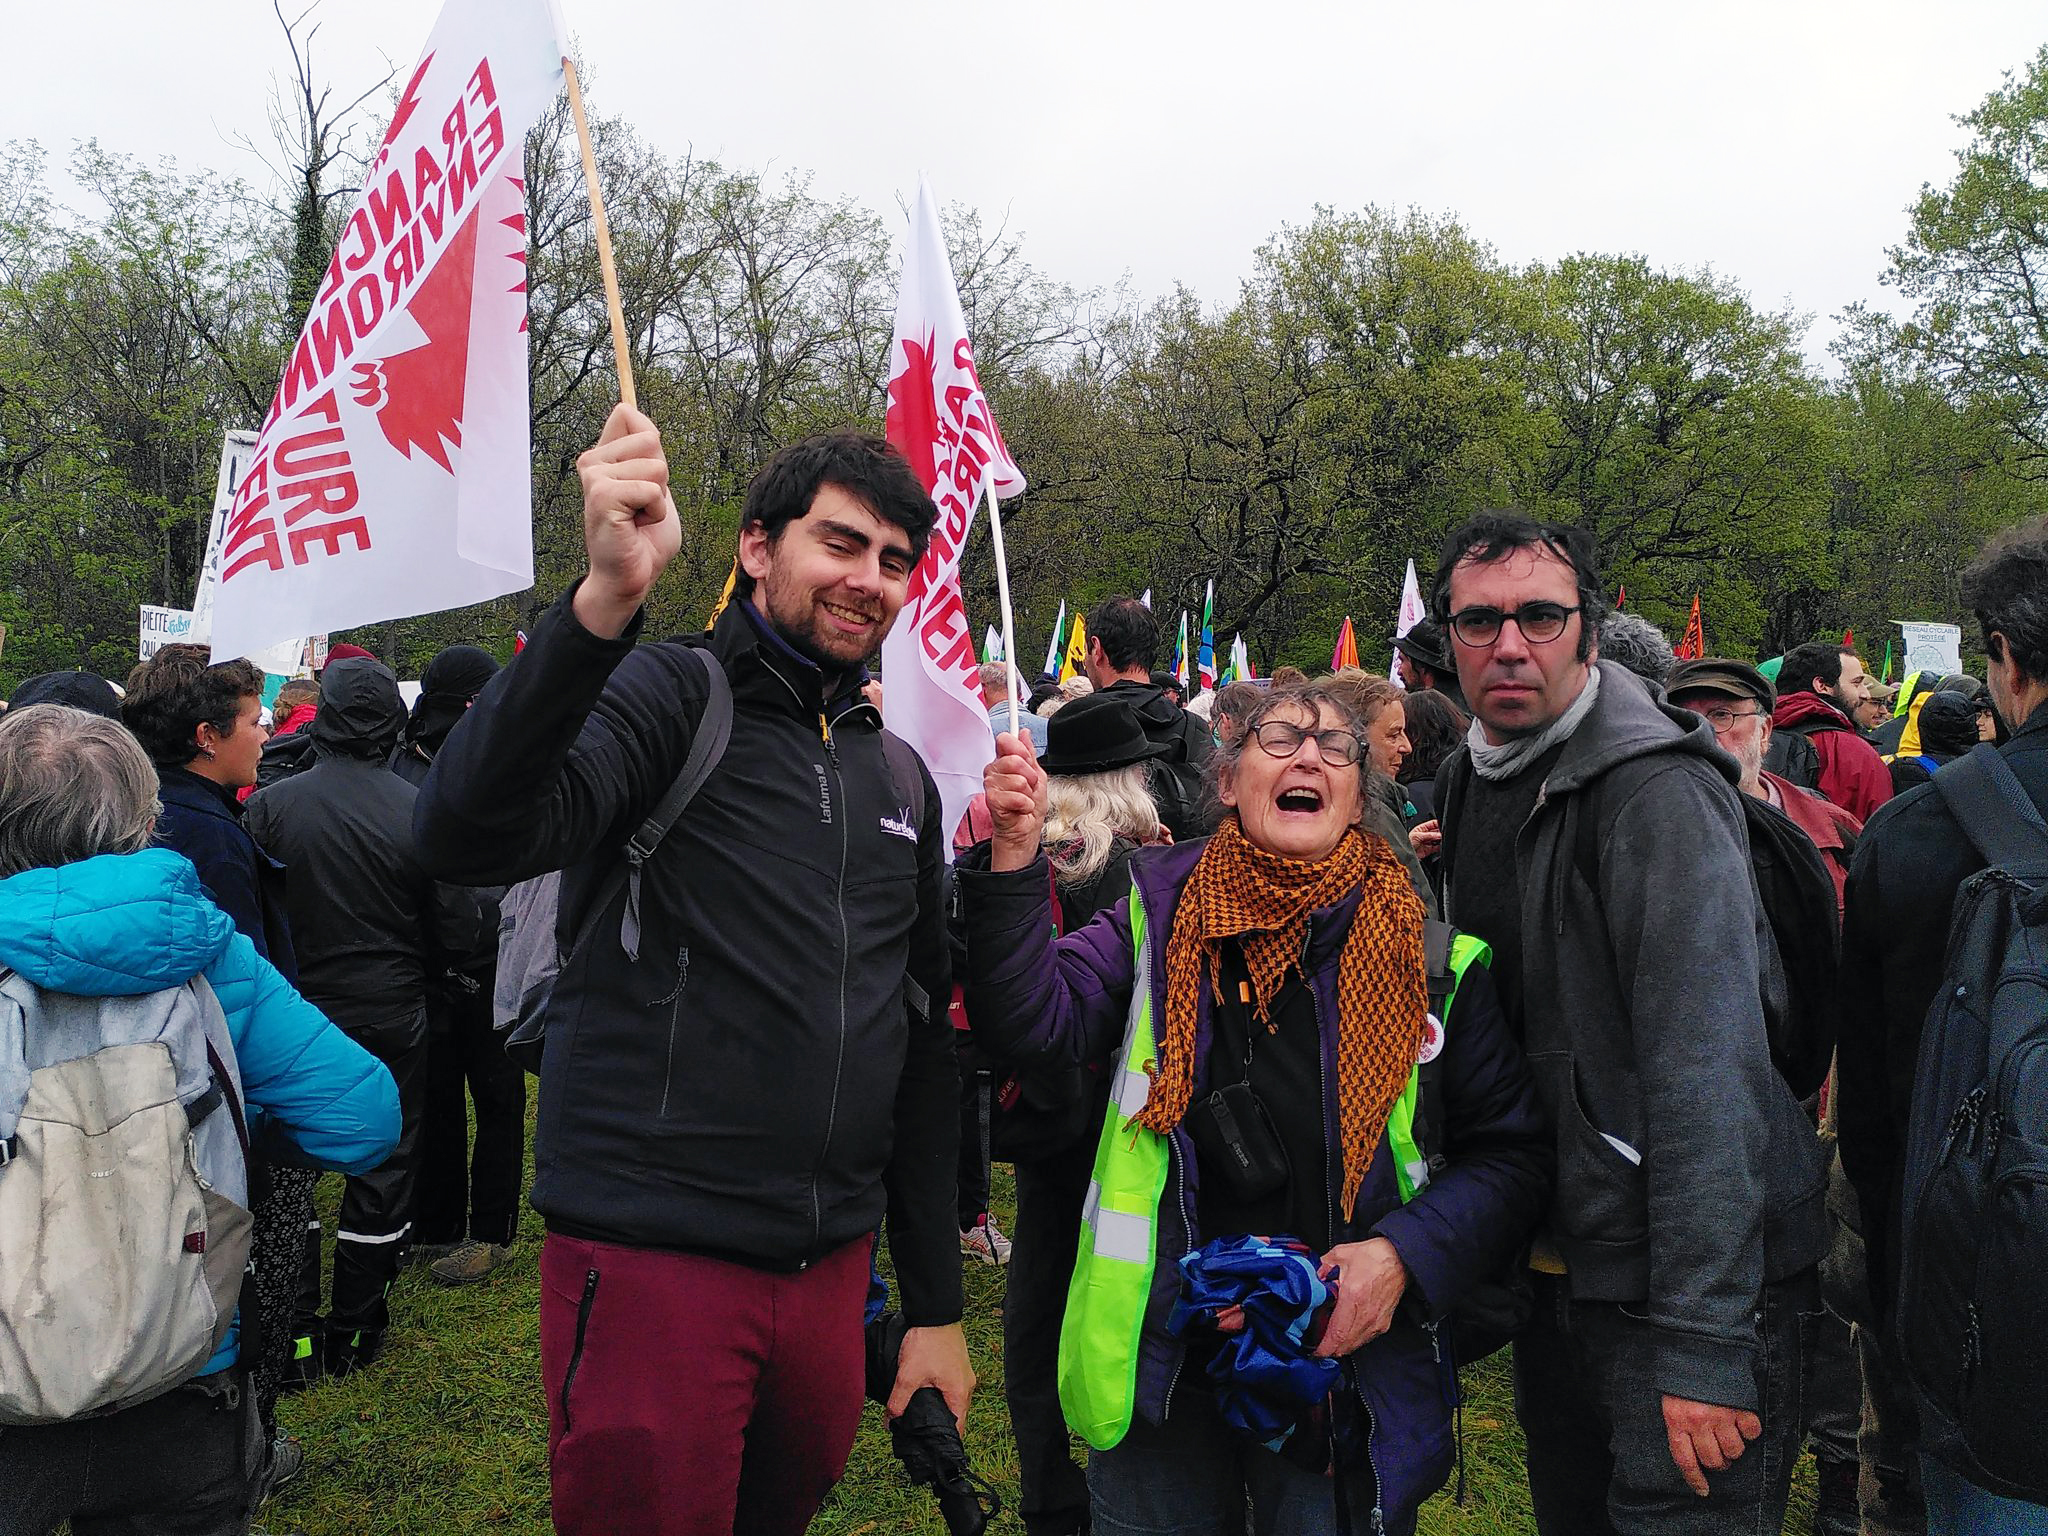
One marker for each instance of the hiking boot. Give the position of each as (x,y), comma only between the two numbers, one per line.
(418,1255)
(287,1460)
(350,1352)
(985,1242)
(306,1366)
(1837,1508)
(469,1262)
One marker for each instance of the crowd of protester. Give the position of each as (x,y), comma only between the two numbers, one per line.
(1560,996)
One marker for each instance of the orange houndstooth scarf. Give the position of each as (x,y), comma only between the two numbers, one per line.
(1264,901)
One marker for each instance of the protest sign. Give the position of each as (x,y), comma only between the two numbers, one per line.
(1936,648)
(162,627)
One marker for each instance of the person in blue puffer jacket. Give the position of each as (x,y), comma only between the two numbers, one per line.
(87,908)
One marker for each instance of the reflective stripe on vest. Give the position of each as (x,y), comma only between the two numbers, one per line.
(1098,1368)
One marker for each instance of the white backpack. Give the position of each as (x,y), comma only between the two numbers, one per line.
(123,1196)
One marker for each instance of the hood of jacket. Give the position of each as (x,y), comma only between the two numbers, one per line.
(1810,711)
(1948,725)
(1628,721)
(114,926)
(454,678)
(1154,708)
(361,711)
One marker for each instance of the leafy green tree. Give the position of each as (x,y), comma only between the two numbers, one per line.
(1974,267)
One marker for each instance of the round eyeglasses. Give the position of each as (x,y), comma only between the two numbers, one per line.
(1279,738)
(1540,623)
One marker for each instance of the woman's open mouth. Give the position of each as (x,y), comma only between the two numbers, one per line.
(1298,801)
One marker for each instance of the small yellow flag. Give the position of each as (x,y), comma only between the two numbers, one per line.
(1077,647)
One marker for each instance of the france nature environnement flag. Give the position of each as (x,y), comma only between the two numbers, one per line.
(941,420)
(393,473)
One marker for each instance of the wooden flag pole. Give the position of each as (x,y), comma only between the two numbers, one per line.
(995,528)
(622,355)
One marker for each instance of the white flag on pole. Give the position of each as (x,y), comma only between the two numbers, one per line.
(941,420)
(392,476)
(1052,649)
(1412,613)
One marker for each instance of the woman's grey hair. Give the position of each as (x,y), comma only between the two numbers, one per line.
(1223,761)
(1087,812)
(72,786)
(1637,644)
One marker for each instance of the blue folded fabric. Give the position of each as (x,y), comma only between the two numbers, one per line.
(1266,1377)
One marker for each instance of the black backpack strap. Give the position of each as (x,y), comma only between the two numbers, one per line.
(222,1089)
(707,746)
(1997,814)
(1436,961)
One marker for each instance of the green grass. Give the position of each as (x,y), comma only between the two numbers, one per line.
(447,1433)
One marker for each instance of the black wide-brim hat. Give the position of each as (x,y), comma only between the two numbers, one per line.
(1424,645)
(1097,733)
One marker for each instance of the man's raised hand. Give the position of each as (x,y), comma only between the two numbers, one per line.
(630,529)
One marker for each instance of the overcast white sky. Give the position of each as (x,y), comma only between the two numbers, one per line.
(1776,142)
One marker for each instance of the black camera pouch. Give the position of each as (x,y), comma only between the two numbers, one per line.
(1236,1142)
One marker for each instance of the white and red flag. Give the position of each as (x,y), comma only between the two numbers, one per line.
(1412,613)
(941,420)
(392,476)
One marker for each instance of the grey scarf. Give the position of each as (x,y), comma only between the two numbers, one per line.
(1511,757)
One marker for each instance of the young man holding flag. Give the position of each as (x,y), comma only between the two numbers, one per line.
(730,1107)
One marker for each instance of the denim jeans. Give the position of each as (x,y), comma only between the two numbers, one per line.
(1194,1476)
(178,1465)
(1598,1456)
(1958,1507)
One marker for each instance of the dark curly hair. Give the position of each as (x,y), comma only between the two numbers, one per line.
(2006,587)
(176,691)
(1491,536)
(1436,729)
(869,469)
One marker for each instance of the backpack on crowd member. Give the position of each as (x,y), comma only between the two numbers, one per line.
(1797,895)
(1793,757)
(123,1196)
(1180,793)
(1972,1320)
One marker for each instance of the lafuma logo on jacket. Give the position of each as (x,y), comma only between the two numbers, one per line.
(900,825)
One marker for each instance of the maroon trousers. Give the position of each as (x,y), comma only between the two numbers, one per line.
(693,1397)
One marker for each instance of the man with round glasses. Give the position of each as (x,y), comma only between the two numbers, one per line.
(1736,701)
(1594,837)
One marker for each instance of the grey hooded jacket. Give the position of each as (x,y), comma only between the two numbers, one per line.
(1644,1019)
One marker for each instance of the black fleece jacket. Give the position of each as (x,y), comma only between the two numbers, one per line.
(755,1085)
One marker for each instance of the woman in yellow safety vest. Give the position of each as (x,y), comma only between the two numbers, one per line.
(1267,1000)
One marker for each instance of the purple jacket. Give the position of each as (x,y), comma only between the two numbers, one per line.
(1031,996)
